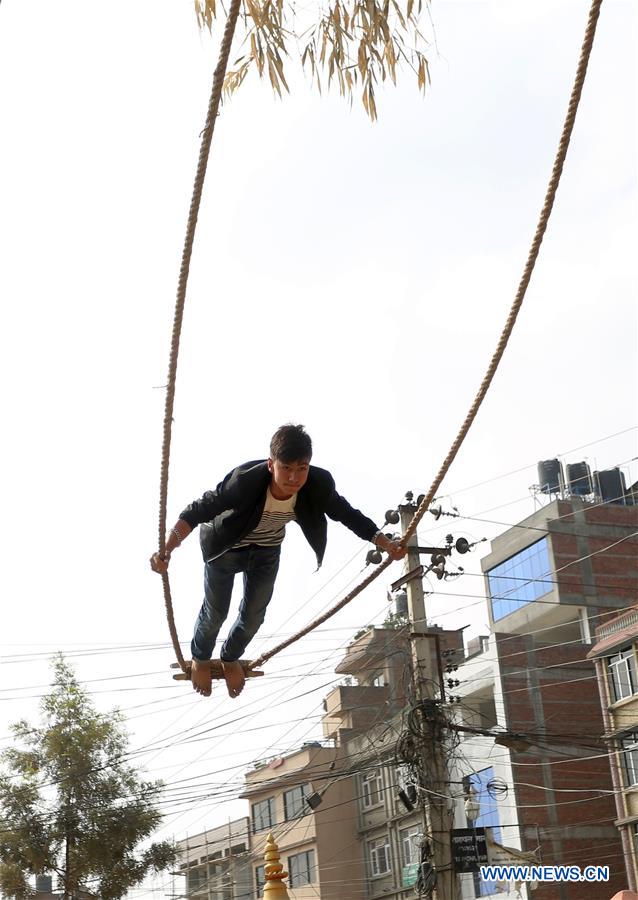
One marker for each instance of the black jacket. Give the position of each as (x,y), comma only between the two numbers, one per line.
(234,508)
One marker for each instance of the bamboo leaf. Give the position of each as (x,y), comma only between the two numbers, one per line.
(356,42)
(421,75)
(371,103)
(280,71)
(362,59)
(273,74)
(397,9)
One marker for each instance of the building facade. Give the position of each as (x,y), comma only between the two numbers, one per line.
(616,656)
(477,760)
(306,801)
(550,581)
(217,863)
(367,719)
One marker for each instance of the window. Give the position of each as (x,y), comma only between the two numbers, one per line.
(301,868)
(379,855)
(488,817)
(629,748)
(409,840)
(264,814)
(371,788)
(221,893)
(260,879)
(294,802)
(378,680)
(197,880)
(218,884)
(521,579)
(622,673)
(235,849)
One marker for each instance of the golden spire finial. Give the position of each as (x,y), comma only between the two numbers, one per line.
(274,889)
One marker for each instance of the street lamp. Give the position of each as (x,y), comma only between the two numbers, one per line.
(472,805)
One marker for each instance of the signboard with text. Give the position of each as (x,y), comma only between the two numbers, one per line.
(469,849)
(410,874)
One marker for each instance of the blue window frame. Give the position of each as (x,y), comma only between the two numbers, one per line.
(487,818)
(521,579)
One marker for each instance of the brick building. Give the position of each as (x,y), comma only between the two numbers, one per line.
(550,581)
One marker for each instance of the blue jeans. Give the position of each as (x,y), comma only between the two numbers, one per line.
(259,566)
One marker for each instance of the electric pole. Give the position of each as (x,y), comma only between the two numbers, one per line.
(231,862)
(425,669)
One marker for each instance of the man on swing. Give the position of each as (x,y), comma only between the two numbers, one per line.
(243,524)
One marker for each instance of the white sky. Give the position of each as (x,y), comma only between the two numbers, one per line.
(350,276)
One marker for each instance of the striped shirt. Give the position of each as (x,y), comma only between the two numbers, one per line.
(271,528)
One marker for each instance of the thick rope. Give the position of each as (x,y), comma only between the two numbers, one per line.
(204,152)
(550,195)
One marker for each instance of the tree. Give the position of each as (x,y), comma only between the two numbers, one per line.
(71,805)
(352,41)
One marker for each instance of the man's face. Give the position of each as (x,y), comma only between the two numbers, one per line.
(287,478)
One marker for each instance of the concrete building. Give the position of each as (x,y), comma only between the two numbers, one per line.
(306,800)
(217,863)
(616,656)
(377,666)
(366,719)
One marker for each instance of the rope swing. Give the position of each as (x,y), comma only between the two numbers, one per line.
(204,153)
(541,227)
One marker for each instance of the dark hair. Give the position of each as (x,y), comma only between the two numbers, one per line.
(290,443)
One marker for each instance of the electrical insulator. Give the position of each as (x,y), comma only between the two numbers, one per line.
(437,512)
(391,517)
(439,570)
(462,545)
(374,557)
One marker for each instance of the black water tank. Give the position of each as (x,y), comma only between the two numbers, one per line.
(579,478)
(550,475)
(611,485)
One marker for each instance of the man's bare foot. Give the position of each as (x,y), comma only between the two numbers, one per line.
(235,678)
(201,678)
